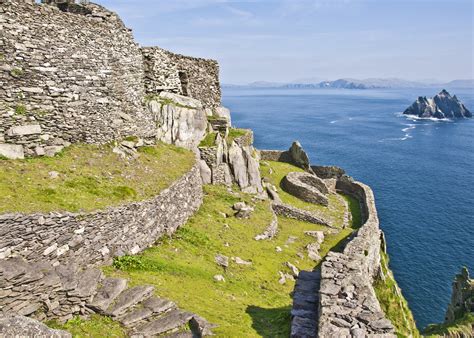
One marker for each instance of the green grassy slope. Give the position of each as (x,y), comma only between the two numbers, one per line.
(90,178)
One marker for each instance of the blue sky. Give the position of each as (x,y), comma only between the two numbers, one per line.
(285,40)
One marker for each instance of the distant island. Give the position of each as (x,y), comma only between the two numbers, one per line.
(348,83)
(441,106)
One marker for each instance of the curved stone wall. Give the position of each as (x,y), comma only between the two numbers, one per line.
(348,304)
(307,187)
(96,237)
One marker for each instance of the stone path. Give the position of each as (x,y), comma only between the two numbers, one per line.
(304,314)
(144,314)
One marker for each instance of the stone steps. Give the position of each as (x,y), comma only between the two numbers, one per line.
(304,313)
(143,314)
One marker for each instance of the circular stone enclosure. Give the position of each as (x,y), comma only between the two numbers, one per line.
(307,187)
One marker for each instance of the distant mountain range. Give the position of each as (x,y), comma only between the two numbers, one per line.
(372,83)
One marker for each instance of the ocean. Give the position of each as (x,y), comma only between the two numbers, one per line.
(421,172)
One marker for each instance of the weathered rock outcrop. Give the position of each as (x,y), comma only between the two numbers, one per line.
(296,155)
(236,162)
(180,120)
(441,106)
(462,297)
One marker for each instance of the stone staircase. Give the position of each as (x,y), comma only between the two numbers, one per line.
(43,291)
(143,314)
(304,313)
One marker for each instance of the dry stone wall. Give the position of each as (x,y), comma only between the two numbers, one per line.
(184,75)
(68,77)
(74,73)
(348,303)
(94,238)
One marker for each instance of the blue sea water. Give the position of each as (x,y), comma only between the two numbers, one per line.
(421,172)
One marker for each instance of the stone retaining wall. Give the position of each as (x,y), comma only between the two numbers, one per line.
(348,303)
(184,75)
(94,238)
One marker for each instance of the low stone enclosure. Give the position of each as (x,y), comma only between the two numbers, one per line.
(308,187)
(80,77)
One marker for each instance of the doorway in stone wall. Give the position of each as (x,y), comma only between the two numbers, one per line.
(183,78)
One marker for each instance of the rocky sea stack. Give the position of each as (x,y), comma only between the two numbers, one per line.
(441,106)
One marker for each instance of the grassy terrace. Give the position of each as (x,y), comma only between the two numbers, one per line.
(90,178)
(251,302)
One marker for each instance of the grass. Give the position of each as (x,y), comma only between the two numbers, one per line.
(250,302)
(90,178)
(393,303)
(209,140)
(96,326)
(235,133)
(463,327)
(20,109)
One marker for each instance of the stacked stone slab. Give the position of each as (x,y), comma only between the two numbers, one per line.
(83,292)
(94,238)
(194,77)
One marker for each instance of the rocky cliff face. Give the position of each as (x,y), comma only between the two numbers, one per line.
(462,297)
(441,106)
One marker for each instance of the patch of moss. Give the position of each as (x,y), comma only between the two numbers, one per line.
(209,140)
(463,327)
(90,178)
(20,109)
(16,72)
(96,327)
(393,303)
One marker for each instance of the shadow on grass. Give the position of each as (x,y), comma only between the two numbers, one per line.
(270,322)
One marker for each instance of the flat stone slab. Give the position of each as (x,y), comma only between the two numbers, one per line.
(170,321)
(136,316)
(158,305)
(12,151)
(130,298)
(110,290)
(87,283)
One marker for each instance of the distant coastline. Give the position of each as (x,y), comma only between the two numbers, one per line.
(346,83)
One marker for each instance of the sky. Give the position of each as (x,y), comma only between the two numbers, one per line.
(288,40)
